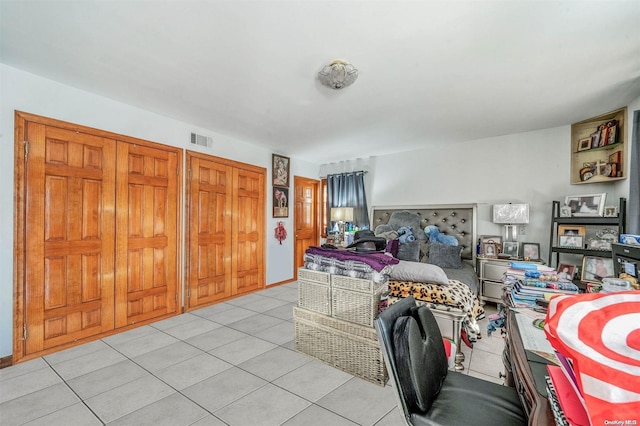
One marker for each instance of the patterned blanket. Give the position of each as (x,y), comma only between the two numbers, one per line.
(348,268)
(456,295)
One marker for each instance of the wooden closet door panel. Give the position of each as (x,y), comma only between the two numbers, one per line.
(146,233)
(209,228)
(69,236)
(248,226)
(306,218)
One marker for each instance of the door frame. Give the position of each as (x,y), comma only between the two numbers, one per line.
(318,212)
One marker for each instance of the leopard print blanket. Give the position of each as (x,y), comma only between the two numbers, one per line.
(456,295)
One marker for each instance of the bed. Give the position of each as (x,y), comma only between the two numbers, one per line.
(454,300)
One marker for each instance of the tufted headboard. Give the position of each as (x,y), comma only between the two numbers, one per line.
(458,220)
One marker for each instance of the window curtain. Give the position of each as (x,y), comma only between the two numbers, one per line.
(347,190)
(633,220)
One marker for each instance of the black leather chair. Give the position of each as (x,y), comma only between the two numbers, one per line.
(428,393)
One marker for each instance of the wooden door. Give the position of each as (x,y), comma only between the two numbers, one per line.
(68,236)
(209,205)
(146,233)
(248,230)
(307,204)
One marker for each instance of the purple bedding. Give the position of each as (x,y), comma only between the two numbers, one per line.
(377,261)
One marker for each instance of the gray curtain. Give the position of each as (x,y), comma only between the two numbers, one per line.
(347,190)
(633,218)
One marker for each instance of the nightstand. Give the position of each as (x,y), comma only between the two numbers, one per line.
(491,274)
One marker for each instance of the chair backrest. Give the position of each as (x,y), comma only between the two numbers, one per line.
(384,327)
(414,352)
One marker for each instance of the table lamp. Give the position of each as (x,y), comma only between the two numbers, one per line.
(511,215)
(341,215)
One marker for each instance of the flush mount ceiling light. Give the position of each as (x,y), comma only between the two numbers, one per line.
(338,74)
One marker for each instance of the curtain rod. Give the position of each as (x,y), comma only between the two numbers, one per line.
(345,173)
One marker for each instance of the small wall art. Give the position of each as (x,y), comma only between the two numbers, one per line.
(280,170)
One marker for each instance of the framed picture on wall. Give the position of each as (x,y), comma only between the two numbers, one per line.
(280,201)
(280,170)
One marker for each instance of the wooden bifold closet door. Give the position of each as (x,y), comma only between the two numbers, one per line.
(225,229)
(97,243)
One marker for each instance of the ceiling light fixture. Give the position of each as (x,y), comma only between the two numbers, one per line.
(338,74)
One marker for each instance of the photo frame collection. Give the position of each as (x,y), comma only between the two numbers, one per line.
(492,246)
(280,169)
(510,248)
(595,268)
(566,271)
(531,251)
(570,241)
(586,205)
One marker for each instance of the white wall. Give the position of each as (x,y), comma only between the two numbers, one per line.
(531,168)
(26,92)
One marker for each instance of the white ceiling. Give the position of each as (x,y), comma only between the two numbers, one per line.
(430,71)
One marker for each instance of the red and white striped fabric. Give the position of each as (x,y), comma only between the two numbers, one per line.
(600,334)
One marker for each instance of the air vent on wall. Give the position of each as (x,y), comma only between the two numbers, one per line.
(201,140)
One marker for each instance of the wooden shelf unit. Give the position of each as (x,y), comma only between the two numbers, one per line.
(608,160)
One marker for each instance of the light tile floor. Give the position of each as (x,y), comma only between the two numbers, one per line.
(232,363)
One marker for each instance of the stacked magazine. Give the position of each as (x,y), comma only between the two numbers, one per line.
(529,282)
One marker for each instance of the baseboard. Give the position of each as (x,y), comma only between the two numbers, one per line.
(6,361)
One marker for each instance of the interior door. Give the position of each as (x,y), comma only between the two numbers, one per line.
(68,236)
(147,233)
(306,199)
(248,230)
(209,204)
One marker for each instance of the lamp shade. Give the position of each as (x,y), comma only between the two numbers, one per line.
(511,213)
(344,214)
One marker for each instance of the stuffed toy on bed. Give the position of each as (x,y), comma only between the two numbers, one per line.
(433,234)
(406,236)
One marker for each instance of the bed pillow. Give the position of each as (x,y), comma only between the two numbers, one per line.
(409,251)
(418,272)
(445,256)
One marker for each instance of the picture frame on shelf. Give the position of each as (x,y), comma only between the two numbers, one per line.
(584,144)
(570,241)
(565,211)
(566,271)
(598,244)
(531,251)
(586,205)
(510,248)
(595,268)
(611,211)
(489,250)
(614,160)
(280,168)
(580,230)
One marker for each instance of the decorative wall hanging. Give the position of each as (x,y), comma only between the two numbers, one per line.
(280,201)
(280,169)
(280,232)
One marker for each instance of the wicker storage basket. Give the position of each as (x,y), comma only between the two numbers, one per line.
(316,276)
(314,291)
(350,347)
(355,300)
